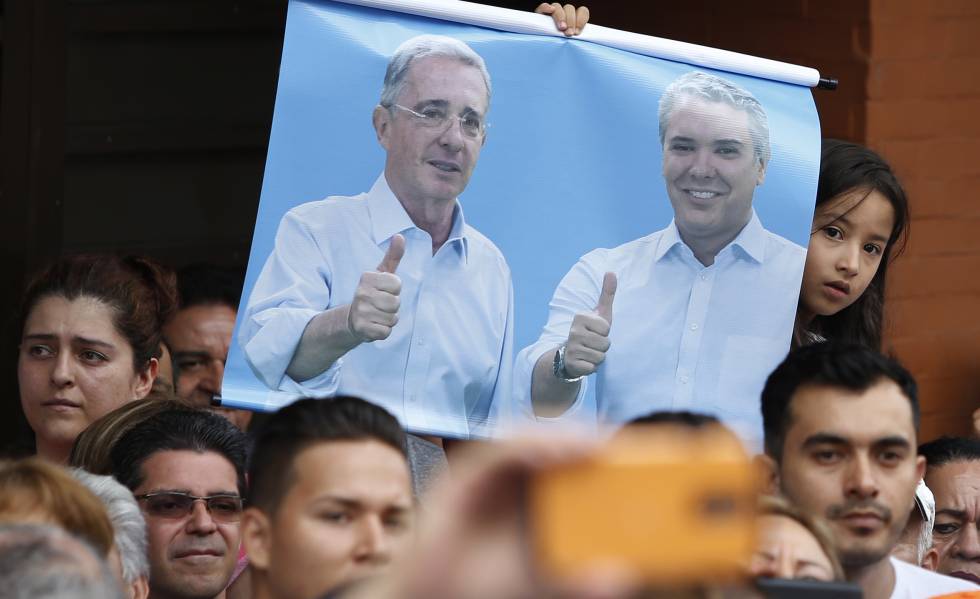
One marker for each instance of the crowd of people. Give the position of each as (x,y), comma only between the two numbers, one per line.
(139,487)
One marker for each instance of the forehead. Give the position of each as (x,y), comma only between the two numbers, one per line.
(206,323)
(955,483)
(866,210)
(861,417)
(83,316)
(776,530)
(201,473)
(446,79)
(363,470)
(700,118)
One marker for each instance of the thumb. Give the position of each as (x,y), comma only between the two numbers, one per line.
(604,307)
(396,249)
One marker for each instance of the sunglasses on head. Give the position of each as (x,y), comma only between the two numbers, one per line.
(175,504)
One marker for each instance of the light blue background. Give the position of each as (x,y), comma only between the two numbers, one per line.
(572,160)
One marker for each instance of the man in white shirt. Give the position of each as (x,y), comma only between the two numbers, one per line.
(953,472)
(390,295)
(691,317)
(840,436)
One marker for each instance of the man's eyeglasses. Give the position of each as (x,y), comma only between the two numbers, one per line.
(175,505)
(435,118)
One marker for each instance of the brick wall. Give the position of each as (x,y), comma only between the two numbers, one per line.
(923,115)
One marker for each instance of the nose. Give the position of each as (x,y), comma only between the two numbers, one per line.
(861,481)
(200,521)
(211,381)
(967,545)
(373,545)
(62,374)
(849,260)
(701,165)
(452,137)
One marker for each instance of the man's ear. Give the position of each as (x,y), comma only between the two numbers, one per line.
(761,178)
(930,561)
(257,537)
(381,118)
(140,588)
(768,471)
(920,469)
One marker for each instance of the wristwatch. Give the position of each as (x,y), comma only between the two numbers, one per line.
(559,367)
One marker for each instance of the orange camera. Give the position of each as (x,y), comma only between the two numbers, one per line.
(675,505)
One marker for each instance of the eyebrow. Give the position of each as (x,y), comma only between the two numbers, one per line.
(354,503)
(824,439)
(191,354)
(76,339)
(843,218)
(189,492)
(444,104)
(892,441)
(958,514)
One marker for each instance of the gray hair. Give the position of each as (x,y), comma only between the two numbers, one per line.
(716,89)
(128,525)
(427,46)
(45,562)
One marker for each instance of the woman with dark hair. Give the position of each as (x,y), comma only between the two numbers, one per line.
(90,342)
(861,213)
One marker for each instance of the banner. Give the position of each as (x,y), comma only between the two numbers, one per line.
(431,245)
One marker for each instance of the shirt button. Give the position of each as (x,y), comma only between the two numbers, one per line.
(704,277)
(694,326)
(420,342)
(683,379)
(411,398)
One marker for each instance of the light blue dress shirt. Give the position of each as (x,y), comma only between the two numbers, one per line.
(449,358)
(684,336)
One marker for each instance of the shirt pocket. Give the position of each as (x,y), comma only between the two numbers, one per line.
(745,365)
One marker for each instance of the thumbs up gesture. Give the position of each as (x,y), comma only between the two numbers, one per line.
(588,339)
(374,309)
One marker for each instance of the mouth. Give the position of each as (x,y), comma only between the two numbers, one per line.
(838,288)
(199,553)
(61,403)
(966,576)
(863,520)
(702,194)
(446,166)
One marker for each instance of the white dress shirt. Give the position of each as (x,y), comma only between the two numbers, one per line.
(684,336)
(449,358)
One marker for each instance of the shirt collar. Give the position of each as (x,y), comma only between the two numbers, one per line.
(389,217)
(751,240)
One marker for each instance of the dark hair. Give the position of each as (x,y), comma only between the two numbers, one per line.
(307,422)
(141,293)
(178,428)
(202,284)
(834,364)
(844,167)
(950,449)
(683,417)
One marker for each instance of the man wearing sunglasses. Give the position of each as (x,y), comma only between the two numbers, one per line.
(390,294)
(187,470)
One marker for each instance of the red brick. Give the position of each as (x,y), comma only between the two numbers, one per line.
(915,276)
(894,39)
(936,195)
(936,314)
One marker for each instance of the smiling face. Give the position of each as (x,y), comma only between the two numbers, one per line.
(425,163)
(347,514)
(786,549)
(193,555)
(849,456)
(956,533)
(850,238)
(711,171)
(73,368)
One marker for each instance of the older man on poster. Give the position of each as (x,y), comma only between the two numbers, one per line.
(390,295)
(691,317)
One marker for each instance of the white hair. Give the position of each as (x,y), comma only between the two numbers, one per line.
(427,46)
(128,525)
(716,89)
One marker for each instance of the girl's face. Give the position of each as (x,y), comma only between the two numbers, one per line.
(73,368)
(850,236)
